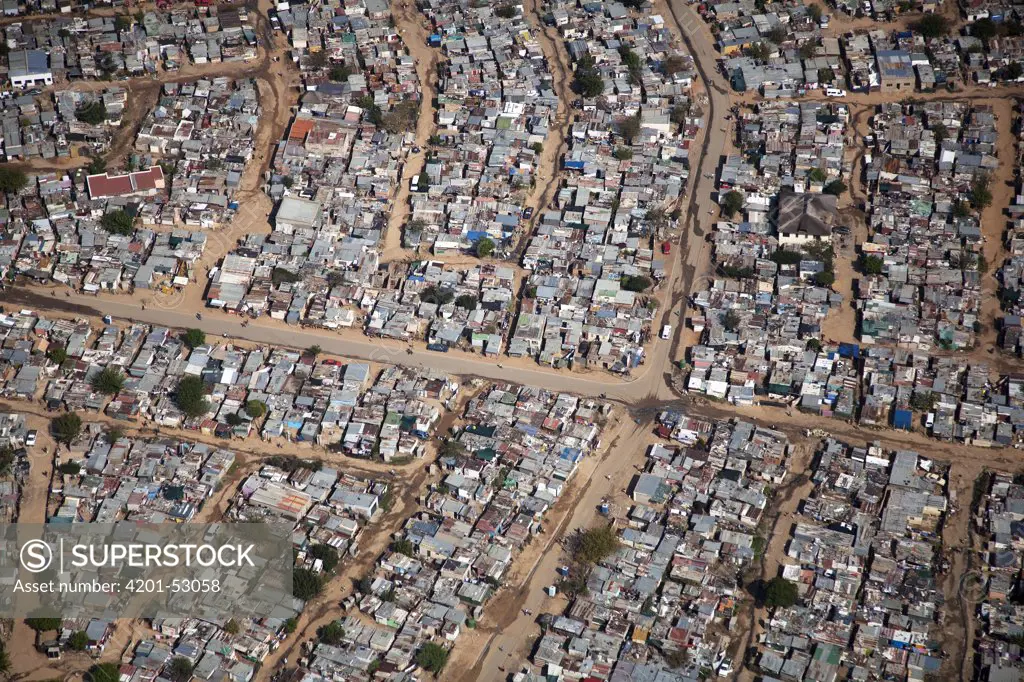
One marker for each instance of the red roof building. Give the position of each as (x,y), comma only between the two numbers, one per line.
(141,183)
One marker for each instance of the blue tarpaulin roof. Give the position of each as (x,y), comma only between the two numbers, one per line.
(902,419)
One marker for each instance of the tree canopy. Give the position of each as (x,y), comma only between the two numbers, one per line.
(109,381)
(484,247)
(93,113)
(190,396)
(588,81)
(780,593)
(12,180)
(193,338)
(732,201)
(306,584)
(66,427)
(117,222)
(932,26)
(432,657)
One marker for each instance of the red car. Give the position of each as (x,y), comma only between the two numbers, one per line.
(666,247)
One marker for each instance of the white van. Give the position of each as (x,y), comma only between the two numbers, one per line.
(835,92)
(666,331)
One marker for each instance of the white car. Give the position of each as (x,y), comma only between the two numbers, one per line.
(725,669)
(30,438)
(835,92)
(666,331)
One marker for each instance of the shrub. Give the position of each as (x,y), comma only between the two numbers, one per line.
(825,278)
(104,672)
(43,624)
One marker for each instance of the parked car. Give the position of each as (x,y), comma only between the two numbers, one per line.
(439,347)
(30,438)
(528,212)
(666,247)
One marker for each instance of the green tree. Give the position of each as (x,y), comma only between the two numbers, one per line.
(1014,71)
(436,295)
(825,278)
(673,64)
(255,408)
(484,247)
(401,119)
(588,81)
(179,669)
(232,627)
(872,265)
(193,338)
(105,672)
(623,153)
(339,73)
(635,283)
(826,75)
(291,625)
(43,624)
(404,546)
(96,166)
(836,187)
(306,584)
(780,593)
(595,544)
(93,113)
(629,127)
(114,434)
(190,396)
(432,657)
(732,202)
(981,195)
(66,427)
(983,29)
(506,11)
(233,419)
(57,354)
(817,175)
(815,345)
(332,633)
(814,12)
(731,320)
(109,381)
(932,26)
(327,554)
(281,276)
(78,640)
(12,180)
(117,222)
(467,301)
(122,23)
(70,468)
(760,51)
(313,351)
